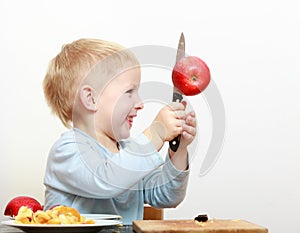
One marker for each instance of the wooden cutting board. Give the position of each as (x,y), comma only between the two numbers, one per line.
(191,226)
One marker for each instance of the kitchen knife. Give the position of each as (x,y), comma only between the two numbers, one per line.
(177,96)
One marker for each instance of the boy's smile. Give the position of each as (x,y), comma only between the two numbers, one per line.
(130,120)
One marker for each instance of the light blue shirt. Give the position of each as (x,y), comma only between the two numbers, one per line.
(83,174)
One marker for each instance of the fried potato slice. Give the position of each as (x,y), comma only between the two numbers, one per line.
(41,217)
(57,215)
(24,215)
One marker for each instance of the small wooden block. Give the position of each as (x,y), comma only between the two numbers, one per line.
(151,213)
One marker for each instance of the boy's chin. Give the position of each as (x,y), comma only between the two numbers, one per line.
(123,136)
(121,133)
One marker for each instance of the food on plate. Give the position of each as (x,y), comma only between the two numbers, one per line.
(57,215)
(190,75)
(15,204)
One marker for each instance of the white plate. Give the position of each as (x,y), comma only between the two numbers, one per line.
(60,228)
(102,216)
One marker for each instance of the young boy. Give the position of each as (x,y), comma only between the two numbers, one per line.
(95,167)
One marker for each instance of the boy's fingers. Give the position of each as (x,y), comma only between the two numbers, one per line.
(181,123)
(192,114)
(187,136)
(189,130)
(180,115)
(177,106)
(191,119)
(184,103)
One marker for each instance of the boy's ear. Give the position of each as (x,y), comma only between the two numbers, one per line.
(88,97)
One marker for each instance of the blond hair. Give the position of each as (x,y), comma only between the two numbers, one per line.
(68,69)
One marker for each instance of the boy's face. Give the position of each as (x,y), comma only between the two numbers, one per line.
(118,105)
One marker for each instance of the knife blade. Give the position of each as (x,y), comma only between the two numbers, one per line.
(177,96)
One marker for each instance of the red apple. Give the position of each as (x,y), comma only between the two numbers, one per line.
(190,75)
(15,204)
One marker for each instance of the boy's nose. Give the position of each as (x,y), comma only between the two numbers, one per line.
(139,104)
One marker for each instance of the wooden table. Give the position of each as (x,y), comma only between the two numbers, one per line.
(174,226)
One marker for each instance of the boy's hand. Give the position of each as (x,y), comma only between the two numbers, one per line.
(169,122)
(180,157)
(188,129)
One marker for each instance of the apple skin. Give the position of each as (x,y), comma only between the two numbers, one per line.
(13,206)
(190,75)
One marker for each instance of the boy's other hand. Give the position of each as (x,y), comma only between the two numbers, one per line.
(189,129)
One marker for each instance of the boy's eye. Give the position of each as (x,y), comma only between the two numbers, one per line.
(129,91)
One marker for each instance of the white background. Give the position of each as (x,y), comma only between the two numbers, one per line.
(253,51)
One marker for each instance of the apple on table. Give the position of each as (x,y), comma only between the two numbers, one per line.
(13,206)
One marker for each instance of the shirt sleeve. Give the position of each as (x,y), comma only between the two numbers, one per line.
(83,167)
(165,187)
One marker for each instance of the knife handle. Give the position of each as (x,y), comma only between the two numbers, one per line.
(174,143)
(177,97)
